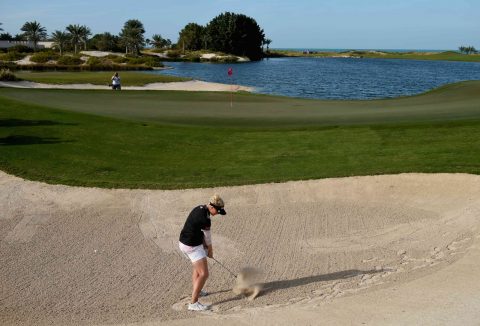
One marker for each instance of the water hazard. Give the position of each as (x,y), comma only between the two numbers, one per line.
(333,78)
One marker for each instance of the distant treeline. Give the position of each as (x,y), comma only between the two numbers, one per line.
(228,32)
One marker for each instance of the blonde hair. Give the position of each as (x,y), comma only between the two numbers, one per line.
(217,201)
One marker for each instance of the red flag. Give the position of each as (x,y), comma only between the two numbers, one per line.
(230,71)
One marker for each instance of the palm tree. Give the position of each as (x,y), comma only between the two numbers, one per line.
(84,34)
(34,32)
(1,29)
(60,39)
(6,37)
(132,37)
(267,42)
(157,41)
(76,33)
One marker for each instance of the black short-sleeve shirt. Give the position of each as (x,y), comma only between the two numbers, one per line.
(197,220)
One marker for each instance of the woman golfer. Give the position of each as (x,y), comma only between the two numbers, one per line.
(194,239)
(116,85)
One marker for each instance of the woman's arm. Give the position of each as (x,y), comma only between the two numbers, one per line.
(207,242)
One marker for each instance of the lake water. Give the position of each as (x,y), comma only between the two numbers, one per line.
(333,78)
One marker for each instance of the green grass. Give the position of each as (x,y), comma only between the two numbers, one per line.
(447,55)
(181,142)
(451,102)
(97,78)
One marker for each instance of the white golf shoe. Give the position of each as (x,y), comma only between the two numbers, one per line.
(197,306)
(203,293)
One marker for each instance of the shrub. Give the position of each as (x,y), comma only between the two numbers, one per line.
(157,50)
(8,65)
(174,54)
(112,56)
(7,75)
(42,57)
(20,48)
(119,59)
(62,67)
(69,60)
(152,61)
(192,57)
(12,56)
(228,59)
(94,61)
(134,60)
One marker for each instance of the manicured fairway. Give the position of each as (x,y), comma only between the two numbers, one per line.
(129,78)
(180,139)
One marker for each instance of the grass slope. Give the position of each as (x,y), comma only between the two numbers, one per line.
(111,148)
(452,102)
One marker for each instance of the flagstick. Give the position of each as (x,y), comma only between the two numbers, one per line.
(231,95)
(230,75)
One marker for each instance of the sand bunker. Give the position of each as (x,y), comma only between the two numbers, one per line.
(192,85)
(90,256)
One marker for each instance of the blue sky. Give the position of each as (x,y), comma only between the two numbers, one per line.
(346,24)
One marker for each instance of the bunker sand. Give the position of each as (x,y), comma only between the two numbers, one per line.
(192,85)
(333,250)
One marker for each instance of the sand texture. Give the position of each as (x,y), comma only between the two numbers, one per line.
(376,250)
(192,85)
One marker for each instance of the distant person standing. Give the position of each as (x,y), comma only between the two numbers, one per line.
(196,244)
(116,86)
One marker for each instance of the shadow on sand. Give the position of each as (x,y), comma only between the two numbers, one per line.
(286,284)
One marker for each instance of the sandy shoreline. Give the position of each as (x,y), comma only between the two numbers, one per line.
(394,249)
(193,85)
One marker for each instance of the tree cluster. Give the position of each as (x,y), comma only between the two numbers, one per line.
(228,32)
(467,49)
(76,36)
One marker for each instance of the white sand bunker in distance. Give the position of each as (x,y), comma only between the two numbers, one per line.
(74,255)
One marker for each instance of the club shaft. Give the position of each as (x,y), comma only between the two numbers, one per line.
(225,268)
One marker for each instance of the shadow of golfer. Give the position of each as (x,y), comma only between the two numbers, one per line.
(286,284)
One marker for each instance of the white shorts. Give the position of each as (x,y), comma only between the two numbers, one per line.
(193,253)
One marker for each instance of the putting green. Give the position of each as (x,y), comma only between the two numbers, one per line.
(452,102)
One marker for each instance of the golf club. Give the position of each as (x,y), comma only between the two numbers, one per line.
(225,268)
